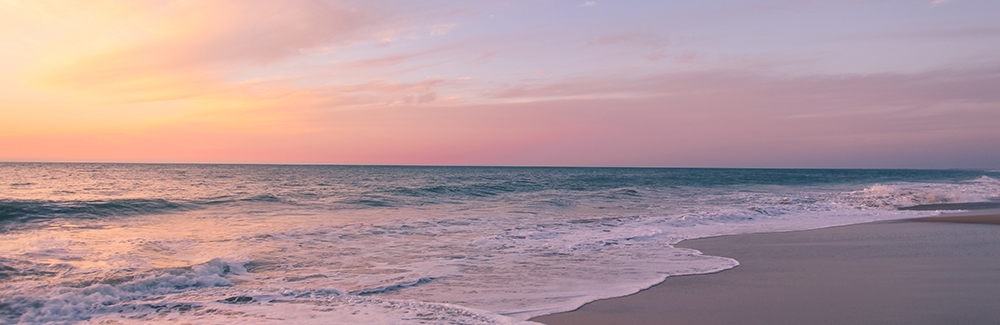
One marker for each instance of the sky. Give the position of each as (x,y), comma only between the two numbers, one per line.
(656,83)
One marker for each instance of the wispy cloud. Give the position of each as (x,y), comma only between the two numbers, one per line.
(633,39)
(652,44)
(862,90)
(589,4)
(442,29)
(936,3)
(931,34)
(153,53)
(384,61)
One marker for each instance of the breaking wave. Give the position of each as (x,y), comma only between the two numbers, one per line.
(68,304)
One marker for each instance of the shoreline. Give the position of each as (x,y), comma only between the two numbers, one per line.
(990,218)
(926,270)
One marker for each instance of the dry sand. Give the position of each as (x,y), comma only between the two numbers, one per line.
(901,272)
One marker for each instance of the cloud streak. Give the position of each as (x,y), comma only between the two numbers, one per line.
(936,3)
(189,44)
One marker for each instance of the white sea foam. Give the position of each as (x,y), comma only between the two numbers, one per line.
(909,194)
(282,310)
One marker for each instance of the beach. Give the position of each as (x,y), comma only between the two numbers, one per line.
(937,270)
(262,244)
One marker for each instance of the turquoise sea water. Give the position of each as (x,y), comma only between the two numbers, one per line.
(137,243)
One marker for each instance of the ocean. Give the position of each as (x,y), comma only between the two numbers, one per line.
(207,244)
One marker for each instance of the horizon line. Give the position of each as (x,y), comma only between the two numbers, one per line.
(988,170)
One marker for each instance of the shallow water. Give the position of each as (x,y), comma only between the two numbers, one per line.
(397,245)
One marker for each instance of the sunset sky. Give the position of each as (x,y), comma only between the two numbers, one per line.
(784,83)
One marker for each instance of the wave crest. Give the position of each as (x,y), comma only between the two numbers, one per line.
(35,209)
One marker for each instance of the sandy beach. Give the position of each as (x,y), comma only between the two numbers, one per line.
(939,270)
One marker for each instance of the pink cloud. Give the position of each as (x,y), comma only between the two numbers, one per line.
(931,86)
(653,45)
(384,61)
(442,29)
(936,3)
(263,31)
(643,40)
(188,46)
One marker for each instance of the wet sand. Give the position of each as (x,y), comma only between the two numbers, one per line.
(940,270)
(980,219)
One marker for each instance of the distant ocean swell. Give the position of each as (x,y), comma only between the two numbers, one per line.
(25,210)
(877,195)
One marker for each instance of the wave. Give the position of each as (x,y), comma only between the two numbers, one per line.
(372,202)
(266,197)
(278,309)
(34,210)
(19,269)
(74,304)
(209,293)
(45,209)
(985,180)
(900,195)
(392,287)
